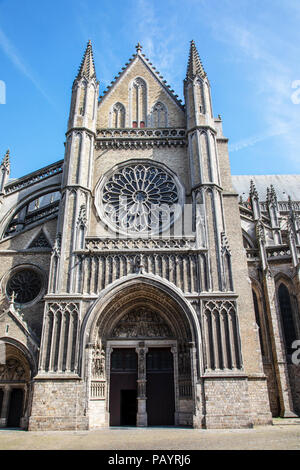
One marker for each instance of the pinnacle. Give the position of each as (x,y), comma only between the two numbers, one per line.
(195,66)
(6,160)
(253,190)
(271,195)
(87,66)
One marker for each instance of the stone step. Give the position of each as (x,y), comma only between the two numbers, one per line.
(285,421)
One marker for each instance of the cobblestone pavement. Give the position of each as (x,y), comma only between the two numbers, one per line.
(262,437)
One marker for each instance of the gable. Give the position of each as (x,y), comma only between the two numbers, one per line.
(40,241)
(152,91)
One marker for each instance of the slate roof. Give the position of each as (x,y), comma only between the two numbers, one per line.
(284,185)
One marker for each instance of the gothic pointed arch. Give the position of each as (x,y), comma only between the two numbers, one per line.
(118,116)
(16,373)
(138,102)
(287,310)
(260,316)
(159,115)
(142,316)
(176,314)
(20,349)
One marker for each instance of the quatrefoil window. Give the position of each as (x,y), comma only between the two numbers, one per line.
(140,197)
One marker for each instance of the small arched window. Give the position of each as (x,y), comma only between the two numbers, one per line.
(139,103)
(118,118)
(289,330)
(159,115)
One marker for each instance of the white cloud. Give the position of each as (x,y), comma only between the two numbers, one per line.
(250,141)
(273,75)
(10,51)
(161,40)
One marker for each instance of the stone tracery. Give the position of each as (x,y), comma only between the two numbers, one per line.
(25,284)
(140,197)
(141,322)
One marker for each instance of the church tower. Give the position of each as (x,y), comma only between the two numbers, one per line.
(77,177)
(225,302)
(62,320)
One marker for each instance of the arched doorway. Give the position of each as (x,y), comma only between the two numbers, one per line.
(142,370)
(14,388)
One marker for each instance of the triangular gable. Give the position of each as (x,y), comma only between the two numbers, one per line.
(149,66)
(14,318)
(40,241)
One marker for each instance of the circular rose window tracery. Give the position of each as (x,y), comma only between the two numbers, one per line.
(139,198)
(25,285)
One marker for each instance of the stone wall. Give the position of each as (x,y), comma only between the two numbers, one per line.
(58,405)
(272,389)
(98,417)
(227,403)
(155,92)
(259,400)
(294,376)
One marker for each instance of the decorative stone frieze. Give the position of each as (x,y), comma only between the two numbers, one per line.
(142,323)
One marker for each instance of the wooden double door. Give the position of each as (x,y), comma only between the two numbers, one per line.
(160,399)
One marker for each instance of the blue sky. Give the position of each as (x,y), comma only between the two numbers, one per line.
(249,49)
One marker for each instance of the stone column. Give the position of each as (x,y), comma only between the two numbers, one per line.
(198,391)
(24,415)
(109,351)
(231,327)
(174,351)
(70,344)
(53,342)
(61,343)
(223,319)
(44,342)
(141,417)
(216,344)
(5,406)
(207,342)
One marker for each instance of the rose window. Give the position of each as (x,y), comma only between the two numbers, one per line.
(25,285)
(140,197)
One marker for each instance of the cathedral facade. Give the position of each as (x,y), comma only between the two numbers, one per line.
(141,283)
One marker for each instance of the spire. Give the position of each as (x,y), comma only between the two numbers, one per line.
(87,67)
(195,66)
